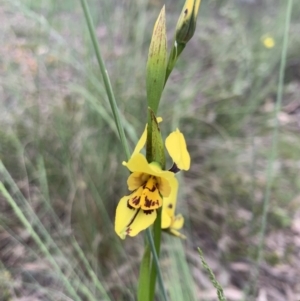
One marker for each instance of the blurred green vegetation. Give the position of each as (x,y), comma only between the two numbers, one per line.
(59,143)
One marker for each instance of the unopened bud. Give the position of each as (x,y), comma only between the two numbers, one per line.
(186,24)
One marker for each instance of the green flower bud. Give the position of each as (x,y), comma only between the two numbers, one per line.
(157,62)
(186,24)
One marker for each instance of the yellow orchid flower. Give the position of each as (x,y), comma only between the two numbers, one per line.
(169,221)
(149,185)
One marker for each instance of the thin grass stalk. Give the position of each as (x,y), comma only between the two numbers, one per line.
(75,244)
(212,277)
(39,242)
(109,90)
(273,155)
(89,269)
(42,228)
(52,242)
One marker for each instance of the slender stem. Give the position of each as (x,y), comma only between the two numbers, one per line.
(274,142)
(157,241)
(173,57)
(106,79)
(156,263)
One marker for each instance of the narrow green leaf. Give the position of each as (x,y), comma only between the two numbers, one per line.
(157,62)
(155,151)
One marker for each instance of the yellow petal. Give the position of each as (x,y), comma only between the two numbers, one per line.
(168,219)
(141,143)
(177,222)
(165,220)
(138,163)
(169,203)
(150,198)
(196,9)
(172,225)
(176,146)
(164,186)
(143,220)
(136,180)
(124,216)
(131,221)
(177,233)
(134,199)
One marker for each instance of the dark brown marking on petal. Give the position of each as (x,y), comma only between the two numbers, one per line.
(132,220)
(170,206)
(147,212)
(129,206)
(136,200)
(152,203)
(148,202)
(152,189)
(155,203)
(186,11)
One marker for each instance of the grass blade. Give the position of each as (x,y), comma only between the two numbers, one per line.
(106,79)
(273,154)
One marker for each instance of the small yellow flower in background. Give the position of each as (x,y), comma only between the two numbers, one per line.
(268,41)
(150,185)
(170,221)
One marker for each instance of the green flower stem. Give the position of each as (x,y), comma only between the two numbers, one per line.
(144,280)
(173,57)
(155,269)
(273,155)
(106,79)
(38,241)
